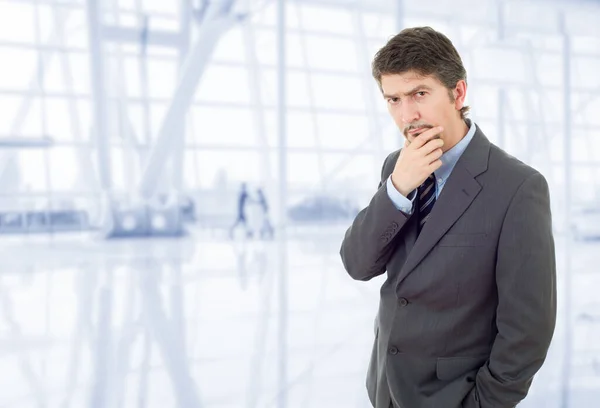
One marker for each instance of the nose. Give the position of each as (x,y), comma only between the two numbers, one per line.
(409,112)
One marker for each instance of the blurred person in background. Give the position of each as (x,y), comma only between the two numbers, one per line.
(463,232)
(265,229)
(242,213)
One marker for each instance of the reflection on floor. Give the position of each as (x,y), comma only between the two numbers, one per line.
(200,322)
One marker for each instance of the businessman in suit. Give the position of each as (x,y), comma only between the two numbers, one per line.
(464,232)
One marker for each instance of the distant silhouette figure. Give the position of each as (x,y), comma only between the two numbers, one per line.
(266,228)
(242,215)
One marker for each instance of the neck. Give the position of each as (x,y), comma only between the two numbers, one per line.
(455,134)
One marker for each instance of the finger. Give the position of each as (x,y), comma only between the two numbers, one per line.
(434,166)
(433,156)
(427,136)
(433,145)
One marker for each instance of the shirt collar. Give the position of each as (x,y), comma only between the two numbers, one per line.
(450,157)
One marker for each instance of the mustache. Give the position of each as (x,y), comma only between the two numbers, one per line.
(416,125)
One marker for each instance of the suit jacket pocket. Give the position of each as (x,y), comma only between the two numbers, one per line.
(451,368)
(459,240)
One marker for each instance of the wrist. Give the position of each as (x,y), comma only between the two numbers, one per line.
(401,189)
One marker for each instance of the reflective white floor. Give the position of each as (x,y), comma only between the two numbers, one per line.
(204,322)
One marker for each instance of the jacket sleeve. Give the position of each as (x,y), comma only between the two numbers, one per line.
(526,312)
(404,204)
(372,238)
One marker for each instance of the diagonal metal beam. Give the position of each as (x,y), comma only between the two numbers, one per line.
(191,72)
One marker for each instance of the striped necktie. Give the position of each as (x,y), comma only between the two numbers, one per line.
(426,193)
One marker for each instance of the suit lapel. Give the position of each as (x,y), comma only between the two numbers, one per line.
(459,192)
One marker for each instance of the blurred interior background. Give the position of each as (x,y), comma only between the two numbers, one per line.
(176,177)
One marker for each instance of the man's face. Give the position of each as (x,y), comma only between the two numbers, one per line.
(418,103)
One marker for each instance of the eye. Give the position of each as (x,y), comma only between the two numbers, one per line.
(393,101)
(420,94)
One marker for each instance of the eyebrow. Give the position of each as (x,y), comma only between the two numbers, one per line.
(412,91)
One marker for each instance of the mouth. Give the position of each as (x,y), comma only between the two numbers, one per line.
(417,131)
(414,132)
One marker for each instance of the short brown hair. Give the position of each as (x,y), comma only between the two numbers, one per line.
(425,51)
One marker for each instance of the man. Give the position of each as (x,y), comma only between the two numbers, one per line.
(464,232)
(243,200)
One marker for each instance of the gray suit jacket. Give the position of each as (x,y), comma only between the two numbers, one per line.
(468,309)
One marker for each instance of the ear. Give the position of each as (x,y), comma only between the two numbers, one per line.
(460,93)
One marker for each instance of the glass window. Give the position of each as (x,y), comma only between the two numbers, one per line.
(160,7)
(31,171)
(378,25)
(584,72)
(231,46)
(239,165)
(338,92)
(162,78)
(331,53)
(223,126)
(347,132)
(297,90)
(18,68)
(319,18)
(65,169)
(16,23)
(265,47)
(224,84)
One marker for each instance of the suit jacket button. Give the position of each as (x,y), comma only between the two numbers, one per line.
(403,302)
(393,350)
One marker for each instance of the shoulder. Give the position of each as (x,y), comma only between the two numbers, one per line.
(511,171)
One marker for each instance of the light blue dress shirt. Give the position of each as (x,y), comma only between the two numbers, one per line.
(449,160)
